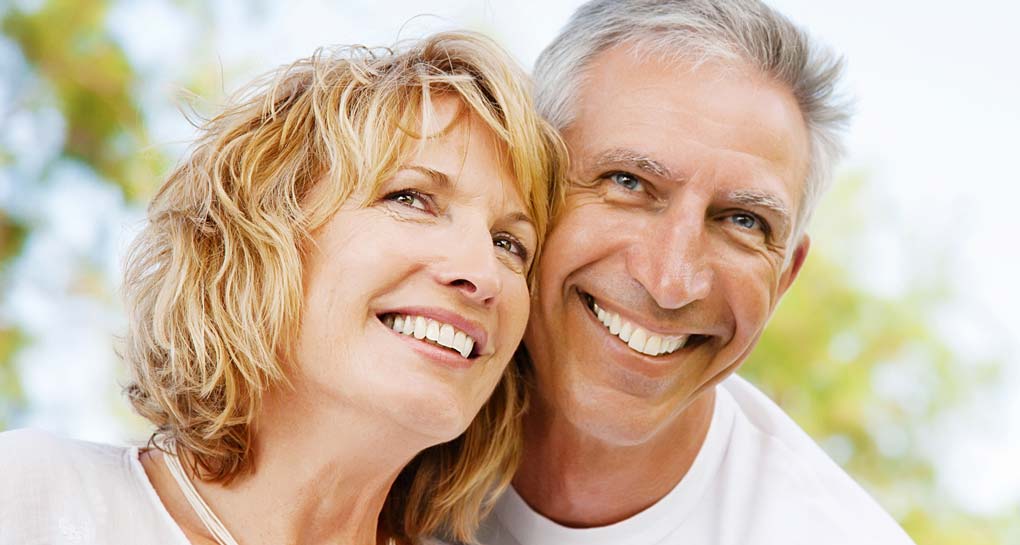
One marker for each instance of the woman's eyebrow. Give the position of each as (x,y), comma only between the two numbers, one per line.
(521,217)
(444,182)
(438,178)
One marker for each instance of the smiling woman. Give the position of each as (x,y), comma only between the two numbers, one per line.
(328,292)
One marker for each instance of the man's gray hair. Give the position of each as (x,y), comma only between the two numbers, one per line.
(699,30)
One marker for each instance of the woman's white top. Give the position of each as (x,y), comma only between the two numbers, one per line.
(56,491)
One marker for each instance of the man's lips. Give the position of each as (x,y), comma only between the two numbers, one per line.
(639,338)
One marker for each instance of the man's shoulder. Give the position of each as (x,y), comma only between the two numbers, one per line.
(757,412)
(790,478)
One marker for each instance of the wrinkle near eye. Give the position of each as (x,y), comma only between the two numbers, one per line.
(612,191)
(514,264)
(403,213)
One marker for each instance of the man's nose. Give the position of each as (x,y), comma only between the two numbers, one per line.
(471,266)
(671,261)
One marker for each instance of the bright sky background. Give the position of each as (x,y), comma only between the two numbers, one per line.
(937,84)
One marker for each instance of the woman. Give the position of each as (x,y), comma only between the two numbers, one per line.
(328,291)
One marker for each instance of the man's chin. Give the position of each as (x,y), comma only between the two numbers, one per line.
(621,419)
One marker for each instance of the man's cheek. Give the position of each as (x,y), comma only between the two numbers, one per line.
(751,301)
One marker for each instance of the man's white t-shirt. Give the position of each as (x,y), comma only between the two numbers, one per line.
(758,479)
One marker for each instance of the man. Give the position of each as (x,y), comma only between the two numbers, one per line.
(701,133)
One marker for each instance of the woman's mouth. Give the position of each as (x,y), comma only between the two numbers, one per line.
(432,332)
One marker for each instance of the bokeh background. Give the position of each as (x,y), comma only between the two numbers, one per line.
(896,349)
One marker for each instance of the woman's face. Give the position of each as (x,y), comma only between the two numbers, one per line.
(416,301)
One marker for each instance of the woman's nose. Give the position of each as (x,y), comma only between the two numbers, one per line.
(471,267)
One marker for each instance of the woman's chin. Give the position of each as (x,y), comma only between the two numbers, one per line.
(435,416)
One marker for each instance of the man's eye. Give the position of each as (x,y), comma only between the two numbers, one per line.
(748,221)
(409,198)
(627,181)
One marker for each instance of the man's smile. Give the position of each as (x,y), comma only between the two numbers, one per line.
(641,339)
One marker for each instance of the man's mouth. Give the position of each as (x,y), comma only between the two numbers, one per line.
(431,331)
(636,337)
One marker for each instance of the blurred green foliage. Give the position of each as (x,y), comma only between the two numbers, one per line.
(12,237)
(68,45)
(11,395)
(822,358)
(85,75)
(866,375)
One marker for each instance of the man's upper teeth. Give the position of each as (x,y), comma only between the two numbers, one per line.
(424,328)
(638,338)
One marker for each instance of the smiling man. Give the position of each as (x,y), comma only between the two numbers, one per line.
(701,134)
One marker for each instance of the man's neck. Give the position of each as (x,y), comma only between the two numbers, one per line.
(582,481)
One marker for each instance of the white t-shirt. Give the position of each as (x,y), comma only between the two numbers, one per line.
(758,479)
(56,491)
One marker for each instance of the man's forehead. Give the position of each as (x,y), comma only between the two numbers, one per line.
(671,120)
(622,72)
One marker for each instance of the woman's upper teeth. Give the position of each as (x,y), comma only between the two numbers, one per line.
(426,328)
(638,338)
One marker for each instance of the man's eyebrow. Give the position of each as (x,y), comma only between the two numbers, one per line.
(634,159)
(764,199)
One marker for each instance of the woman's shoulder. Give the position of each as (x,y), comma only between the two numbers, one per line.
(40,456)
(58,490)
(52,466)
(49,484)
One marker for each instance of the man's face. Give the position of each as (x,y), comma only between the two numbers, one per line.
(671,252)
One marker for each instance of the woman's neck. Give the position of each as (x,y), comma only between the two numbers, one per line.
(319,476)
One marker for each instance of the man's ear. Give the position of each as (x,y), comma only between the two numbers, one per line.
(793,269)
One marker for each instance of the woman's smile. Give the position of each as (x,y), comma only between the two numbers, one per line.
(387,255)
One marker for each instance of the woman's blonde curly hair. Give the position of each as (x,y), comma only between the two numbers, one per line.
(214,282)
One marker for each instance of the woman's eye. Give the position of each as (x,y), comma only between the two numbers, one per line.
(512,245)
(408,198)
(627,181)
